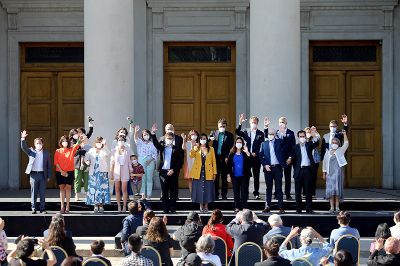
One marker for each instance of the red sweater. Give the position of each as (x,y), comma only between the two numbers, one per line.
(220,230)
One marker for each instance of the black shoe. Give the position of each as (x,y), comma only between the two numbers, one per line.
(173,212)
(281,211)
(224,198)
(266,210)
(309,211)
(165,212)
(289,198)
(43,211)
(257,197)
(33,211)
(298,211)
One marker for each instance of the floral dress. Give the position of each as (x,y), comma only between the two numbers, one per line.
(98,188)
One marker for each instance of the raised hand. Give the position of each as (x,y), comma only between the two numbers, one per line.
(183,135)
(137,128)
(266,122)
(242,118)
(245,149)
(24,134)
(154,128)
(344,119)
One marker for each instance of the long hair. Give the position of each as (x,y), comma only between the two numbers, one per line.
(216,218)
(145,131)
(56,231)
(62,139)
(157,231)
(193,132)
(234,149)
(207,145)
(125,131)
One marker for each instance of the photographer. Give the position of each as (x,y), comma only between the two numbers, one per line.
(21,254)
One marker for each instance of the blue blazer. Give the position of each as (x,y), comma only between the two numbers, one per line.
(265,157)
(32,154)
(258,140)
(289,139)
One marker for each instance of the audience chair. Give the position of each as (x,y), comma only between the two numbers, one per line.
(280,239)
(152,254)
(94,262)
(301,262)
(351,244)
(221,250)
(248,254)
(59,252)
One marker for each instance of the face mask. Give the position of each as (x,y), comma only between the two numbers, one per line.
(75,136)
(38,146)
(193,137)
(121,135)
(239,145)
(302,140)
(134,161)
(121,143)
(308,135)
(168,141)
(282,125)
(221,129)
(253,126)
(99,145)
(64,144)
(146,137)
(203,141)
(335,146)
(333,129)
(170,131)
(271,137)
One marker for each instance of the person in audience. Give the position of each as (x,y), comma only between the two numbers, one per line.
(203,173)
(205,247)
(188,234)
(58,237)
(136,176)
(142,229)
(97,248)
(392,249)
(215,227)
(343,258)
(312,254)
(157,237)
(64,162)
(3,243)
(316,155)
(97,159)
(253,139)
(22,252)
(333,133)
(38,169)
(383,232)
(395,229)
(55,218)
(333,172)
(147,157)
(132,221)
(192,260)
(72,261)
(239,172)
(191,140)
(343,220)
(135,246)
(277,228)
(271,249)
(222,142)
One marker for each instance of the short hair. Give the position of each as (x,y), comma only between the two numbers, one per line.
(271,130)
(133,155)
(148,215)
(135,242)
(62,139)
(300,132)
(396,217)
(306,236)
(247,216)
(222,121)
(97,247)
(275,220)
(25,248)
(343,258)
(343,217)
(99,139)
(392,245)
(133,207)
(271,247)
(283,119)
(205,244)
(333,122)
(255,118)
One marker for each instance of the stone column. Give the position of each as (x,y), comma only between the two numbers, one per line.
(275,61)
(109,56)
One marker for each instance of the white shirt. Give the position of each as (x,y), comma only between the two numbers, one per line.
(272,155)
(395,230)
(167,158)
(38,162)
(210,257)
(252,137)
(305,161)
(339,153)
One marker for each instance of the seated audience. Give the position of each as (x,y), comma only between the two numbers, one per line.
(277,228)
(57,236)
(343,258)
(72,261)
(382,231)
(271,249)
(56,217)
(395,229)
(3,243)
(205,247)
(135,246)
(191,260)
(392,256)
(22,252)
(157,237)
(215,227)
(97,248)
(343,220)
(142,229)
(188,234)
(312,254)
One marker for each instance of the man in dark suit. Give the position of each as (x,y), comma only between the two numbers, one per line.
(253,137)
(170,165)
(222,144)
(334,132)
(38,169)
(272,159)
(302,160)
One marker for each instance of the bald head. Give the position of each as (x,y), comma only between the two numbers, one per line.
(392,245)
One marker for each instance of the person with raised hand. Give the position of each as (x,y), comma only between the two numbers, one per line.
(189,141)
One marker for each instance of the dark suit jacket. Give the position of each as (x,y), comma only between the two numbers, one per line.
(176,158)
(227,144)
(274,261)
(32,154)
(258,140)
(265,157)
(246,165)
(290,141)
(296,157)
(325,143)
(388,259)
(242,233)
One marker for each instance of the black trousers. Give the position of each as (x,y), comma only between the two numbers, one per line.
(304,181)
(221,175)
(240,191)
(288,179)
(169,189)
(256,167)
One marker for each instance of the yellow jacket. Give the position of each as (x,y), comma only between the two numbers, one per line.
(210,164)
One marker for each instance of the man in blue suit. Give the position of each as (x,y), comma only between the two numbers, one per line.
(272,160)
(38,169)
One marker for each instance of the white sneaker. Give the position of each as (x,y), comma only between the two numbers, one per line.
(76,197)
(101,209)
(96,209)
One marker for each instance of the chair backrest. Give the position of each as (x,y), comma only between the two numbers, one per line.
(152,254)
(94,262)
(301,262)
(207,263)
(59,252)
(351,244)
(221,249)
(280,239)
(248,254)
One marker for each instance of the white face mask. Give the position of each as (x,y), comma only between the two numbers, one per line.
(282,125)
(38,146)
(168,141)
(221,129)
(121,143)
(134,161)
(332,129)
(146,137)
(271,137)
(253,126)
(64,144)
(308,135)
(99,145)
(239,145)
(335,146)
(203,141)
(193,137)
(75,136)
(302,140)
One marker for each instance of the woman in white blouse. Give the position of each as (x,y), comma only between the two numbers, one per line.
(205,248)
(147,155)
(395,229)
(187,145)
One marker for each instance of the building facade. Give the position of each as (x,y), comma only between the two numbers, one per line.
(190,62)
